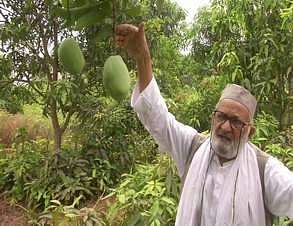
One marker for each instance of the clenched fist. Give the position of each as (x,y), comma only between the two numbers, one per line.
(133,40)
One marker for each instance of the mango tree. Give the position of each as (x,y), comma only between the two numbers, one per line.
(249,41)
(31,32)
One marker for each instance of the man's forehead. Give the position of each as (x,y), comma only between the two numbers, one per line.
(233,108)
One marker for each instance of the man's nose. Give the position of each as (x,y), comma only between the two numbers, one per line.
(226,125)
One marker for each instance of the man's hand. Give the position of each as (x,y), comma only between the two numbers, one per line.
(133,40)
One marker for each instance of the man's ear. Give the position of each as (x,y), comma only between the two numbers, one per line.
(251,132)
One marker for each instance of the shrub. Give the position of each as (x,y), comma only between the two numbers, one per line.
(194,104)
(59,214)
(285,155)
(115,134)
(31,172)
(149,196)
(266,129)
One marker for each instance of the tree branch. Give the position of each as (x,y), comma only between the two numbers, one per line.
(67,120)
(4,83)
(28,82)
(34,88)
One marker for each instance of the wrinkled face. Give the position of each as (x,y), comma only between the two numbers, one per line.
(230,128)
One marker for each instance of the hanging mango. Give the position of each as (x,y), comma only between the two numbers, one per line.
(70,56)
(116,78)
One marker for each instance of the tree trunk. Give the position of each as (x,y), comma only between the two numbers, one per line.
(57,130)
(287,114)
(57,140)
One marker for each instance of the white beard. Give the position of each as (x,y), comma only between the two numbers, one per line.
(225,148)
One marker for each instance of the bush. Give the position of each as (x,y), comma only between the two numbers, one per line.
(195,104)
(59,214)
(116,135)
(149,196)
(32,173)
(285,155)
(266,129)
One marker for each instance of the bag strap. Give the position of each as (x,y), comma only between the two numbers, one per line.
(262,159)
(197,141)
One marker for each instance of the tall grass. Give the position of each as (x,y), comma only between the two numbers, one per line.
(30,126)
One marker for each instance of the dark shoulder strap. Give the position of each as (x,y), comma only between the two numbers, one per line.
(196,143)
(262,159)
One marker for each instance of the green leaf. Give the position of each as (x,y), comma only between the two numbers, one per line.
(122,198)
(93,17)
(134,219)
(134,11)
(56,202)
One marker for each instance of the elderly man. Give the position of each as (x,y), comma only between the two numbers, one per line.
(226,179)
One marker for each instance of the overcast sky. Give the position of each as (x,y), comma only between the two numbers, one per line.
(191,6)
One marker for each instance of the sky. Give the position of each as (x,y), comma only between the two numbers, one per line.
(191,6)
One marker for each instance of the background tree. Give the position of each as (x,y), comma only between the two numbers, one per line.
(31,32)
(104,147)
(247,41)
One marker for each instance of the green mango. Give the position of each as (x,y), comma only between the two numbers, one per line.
(116,78)
(70,56)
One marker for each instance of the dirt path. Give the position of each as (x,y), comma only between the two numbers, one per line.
(11,215)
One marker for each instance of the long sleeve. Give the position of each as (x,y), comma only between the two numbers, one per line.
(172,136)
(278,182)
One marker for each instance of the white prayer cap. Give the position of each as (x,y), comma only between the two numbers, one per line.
(241,95)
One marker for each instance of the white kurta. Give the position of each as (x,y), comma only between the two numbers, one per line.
(175,138)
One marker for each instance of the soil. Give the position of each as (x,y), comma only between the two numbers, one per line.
(11,215)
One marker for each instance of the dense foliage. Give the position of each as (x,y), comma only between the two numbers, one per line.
(64,142)
(248,41)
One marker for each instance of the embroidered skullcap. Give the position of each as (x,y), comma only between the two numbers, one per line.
(241,95)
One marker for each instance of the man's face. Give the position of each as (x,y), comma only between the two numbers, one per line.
(230,126)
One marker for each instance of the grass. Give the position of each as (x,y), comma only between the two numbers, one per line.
(29,126)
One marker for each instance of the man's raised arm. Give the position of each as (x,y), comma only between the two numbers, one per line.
(172,136)
(133,40)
